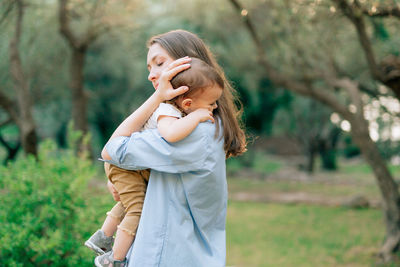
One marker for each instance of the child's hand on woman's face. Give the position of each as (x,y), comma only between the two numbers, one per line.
(202,115)
(165,91)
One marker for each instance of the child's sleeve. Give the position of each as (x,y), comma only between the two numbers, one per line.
(166,109)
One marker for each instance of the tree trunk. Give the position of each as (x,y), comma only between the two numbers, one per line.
(390,68)
(328,157)
(310,156)
(78,44)
(327,149)
(79,97)
(25,121)
(387,185)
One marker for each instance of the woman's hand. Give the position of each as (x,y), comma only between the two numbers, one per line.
(165,91)
(113,191)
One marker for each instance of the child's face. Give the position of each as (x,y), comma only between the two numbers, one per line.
(206,98)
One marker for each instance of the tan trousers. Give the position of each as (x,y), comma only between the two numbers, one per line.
(131,186)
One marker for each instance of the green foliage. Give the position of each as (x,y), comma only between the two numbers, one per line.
(260,115)
(328,160)
(255,160)
(389,148)
(44,210)
(350,150)
(380,31)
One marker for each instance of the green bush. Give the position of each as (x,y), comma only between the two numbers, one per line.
(47,210)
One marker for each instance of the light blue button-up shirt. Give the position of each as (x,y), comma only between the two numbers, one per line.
(184,212)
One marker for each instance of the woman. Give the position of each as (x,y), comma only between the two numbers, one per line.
(183,217)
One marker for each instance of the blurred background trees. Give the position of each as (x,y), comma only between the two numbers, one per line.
(303,38)
(316,74)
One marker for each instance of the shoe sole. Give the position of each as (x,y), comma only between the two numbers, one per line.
(97,263)
(95,248)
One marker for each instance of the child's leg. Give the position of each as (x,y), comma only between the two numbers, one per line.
(131,186)
(117,213)
(122,243)
(102,240)
(114,217)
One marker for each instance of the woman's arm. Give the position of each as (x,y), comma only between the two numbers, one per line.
(164,92)
(136,120)
(173,129)
(148,150)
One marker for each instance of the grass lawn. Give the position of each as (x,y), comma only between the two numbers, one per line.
(260,234)
(272,234)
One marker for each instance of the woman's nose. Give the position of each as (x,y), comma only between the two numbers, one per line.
(152,76)
(215,106)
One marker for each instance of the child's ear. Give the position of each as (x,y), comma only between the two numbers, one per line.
(187,103)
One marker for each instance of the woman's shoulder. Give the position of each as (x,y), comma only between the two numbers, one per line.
(205,134)
(205,128)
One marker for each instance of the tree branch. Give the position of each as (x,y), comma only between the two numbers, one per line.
(279,79)
(354,14)
(95,33)
(8,8)
(249,25)
(382,12)
(372,92)
(65,30)
(92,32)
(17,73)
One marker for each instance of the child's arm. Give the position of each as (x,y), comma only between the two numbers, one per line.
(173,129)
(137,119)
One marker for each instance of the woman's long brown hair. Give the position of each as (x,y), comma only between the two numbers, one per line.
(180,43)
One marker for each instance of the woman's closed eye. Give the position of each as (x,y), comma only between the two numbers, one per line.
(160,64)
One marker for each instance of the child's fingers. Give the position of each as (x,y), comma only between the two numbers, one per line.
(211,118)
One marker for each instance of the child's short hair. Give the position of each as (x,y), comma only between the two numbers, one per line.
(200,75)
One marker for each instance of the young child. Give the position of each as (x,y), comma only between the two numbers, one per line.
(174,120)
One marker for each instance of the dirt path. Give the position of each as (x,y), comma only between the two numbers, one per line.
(305,198)
(289,185)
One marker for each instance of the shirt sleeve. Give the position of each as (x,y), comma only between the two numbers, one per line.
(167,110)
(147,149)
